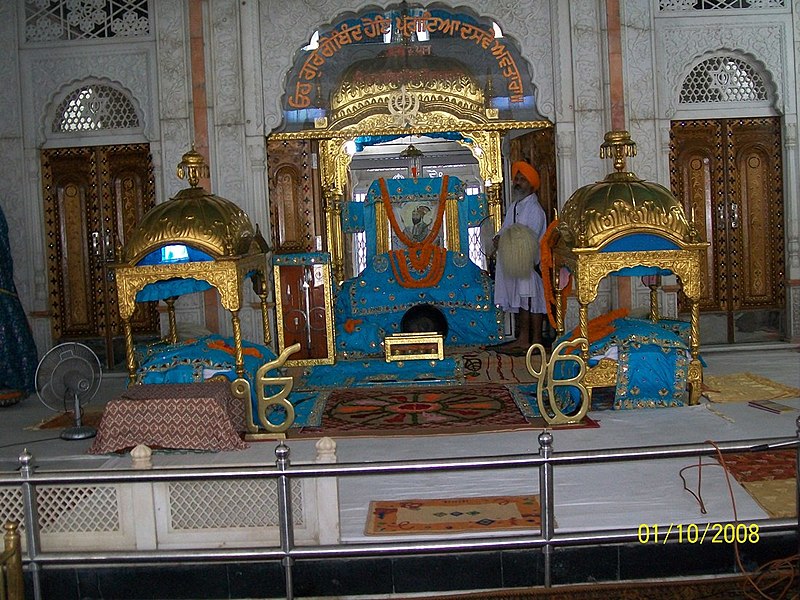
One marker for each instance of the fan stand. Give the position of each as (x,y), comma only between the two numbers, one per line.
(75,384)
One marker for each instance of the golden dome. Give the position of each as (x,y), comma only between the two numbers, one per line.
(622,204)
(193,217)
(404,81)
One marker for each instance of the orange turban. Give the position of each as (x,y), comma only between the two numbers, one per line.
(531,174)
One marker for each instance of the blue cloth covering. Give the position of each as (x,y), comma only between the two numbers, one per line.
(162,256)
(193,361)
(477,209)
(352,217)
(638,242)
(170,288)
(653,362)
(369,307)
(18,356)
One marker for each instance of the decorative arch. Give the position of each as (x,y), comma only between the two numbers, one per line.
(90,111)
(400,71)
(726,79)
(504,79)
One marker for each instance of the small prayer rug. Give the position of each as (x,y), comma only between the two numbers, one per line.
(491,366)
(455,515)
(769,477)
(745,387)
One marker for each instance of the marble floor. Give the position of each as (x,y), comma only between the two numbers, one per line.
(599,496)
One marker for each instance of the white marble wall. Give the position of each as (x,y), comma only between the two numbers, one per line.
(250,47)
(769,40)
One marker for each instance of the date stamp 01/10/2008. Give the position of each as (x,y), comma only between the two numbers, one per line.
(703,533)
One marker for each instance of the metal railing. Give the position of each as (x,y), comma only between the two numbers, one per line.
(283,472)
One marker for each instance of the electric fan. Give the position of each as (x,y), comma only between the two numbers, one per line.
(68,376)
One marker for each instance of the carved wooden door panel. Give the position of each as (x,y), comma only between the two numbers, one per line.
(298,226)
(93,198)
(295,196)
(729,175)
(304,307)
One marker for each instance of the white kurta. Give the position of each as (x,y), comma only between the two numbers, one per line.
(512,293)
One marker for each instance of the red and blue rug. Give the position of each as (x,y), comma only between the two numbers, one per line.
(419,410)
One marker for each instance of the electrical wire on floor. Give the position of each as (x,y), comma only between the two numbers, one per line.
(50,439)
(774,580)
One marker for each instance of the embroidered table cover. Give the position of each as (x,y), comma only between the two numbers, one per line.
(198,416)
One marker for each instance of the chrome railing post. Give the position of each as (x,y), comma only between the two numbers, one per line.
(546,501)
(31,513)
(285,516)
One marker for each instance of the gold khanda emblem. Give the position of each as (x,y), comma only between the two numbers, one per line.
(403,106)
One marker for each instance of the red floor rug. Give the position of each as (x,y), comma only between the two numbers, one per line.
(769,477)
(424,410)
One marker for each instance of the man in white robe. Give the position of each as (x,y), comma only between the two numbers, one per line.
(523,295)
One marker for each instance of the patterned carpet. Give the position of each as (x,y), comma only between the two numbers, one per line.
(415,410)
(453,515)
(745,387)
(769,477)
(491,366)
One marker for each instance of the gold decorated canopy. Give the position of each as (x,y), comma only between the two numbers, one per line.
(202,221)
(406,82)
(622,203)
(194,217)
(623,223)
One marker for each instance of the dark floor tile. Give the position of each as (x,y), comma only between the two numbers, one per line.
(256,580)
(768,548)
(167,582)
(583,564)
(447,572)
(641,561)
(55,583)
(346,576)
(523,568)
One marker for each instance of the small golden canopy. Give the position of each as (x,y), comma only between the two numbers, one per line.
(622,203)
(194,217)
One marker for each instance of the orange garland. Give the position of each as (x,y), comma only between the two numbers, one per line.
(400,258)
(422,255)
(435,226)
(221,345)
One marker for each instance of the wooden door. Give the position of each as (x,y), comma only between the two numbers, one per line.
(295,197)
(93,198)
(729,175)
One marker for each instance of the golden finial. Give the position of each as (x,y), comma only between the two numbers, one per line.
(618,144)
(193,167)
